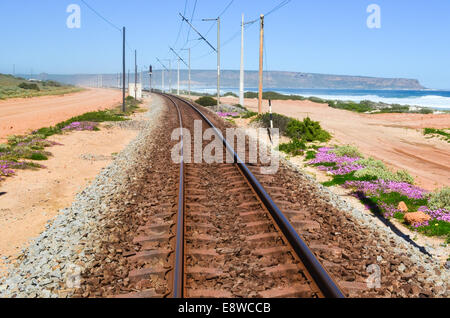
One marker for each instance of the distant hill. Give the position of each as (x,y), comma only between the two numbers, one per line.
(7,80)
(17,87)
(272,79)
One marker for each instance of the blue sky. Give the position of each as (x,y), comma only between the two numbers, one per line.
(321,36)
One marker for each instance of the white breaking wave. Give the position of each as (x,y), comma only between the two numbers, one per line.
(431,101)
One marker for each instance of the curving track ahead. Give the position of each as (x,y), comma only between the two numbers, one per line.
(227,238)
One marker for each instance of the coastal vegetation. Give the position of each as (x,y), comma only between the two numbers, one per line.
(17,87)
(306,130)
(206,101)
(25,151)
(384,191)
(388,193)
(364,106)
(443,134)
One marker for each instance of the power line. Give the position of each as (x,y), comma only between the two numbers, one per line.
(192,17)
(102,17)
(107,21)
(179,57)
(251,23)
(201,36)
(278,7)
(248,25)
(226,8)
(181,23)
(231,38)
(212,25)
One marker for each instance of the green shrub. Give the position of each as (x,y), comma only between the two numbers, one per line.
(32,86)
(241,107)
(317,100)
(384,174)
(440,199)
(440,132)
(341,179)
(13,140)
(51,83)
(249,114)
(230,94)
(306,130)
(279,121)
(331,103)
(294,148)
(351,106)
(38,156)
(372,163)
(347,150)
(4,147)
(310,155)
(206,101)
(403,176)
(273,96)
(425,111)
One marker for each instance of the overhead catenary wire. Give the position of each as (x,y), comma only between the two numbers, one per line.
(210,28)
(102,17)
(247,26)
(226,8)
(108,21)
(278,7)
(181,24)
(192,17)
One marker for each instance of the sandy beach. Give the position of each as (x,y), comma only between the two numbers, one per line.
(396,139)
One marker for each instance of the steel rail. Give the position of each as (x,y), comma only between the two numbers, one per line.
(322,279)
(178,277)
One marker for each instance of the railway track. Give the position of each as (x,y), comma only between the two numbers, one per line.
(225,237)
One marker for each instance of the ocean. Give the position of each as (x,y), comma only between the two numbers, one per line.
(437,99)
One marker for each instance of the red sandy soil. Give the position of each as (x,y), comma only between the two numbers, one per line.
(21,115)
(396,139)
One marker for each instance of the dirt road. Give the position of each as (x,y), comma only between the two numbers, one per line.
(19,116)
(396,139)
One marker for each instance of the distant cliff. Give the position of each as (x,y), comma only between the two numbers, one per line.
(272,79)
(275,79)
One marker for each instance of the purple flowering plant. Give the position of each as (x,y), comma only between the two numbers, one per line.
(224,114)
(330,162)
(381,196)
(80,126)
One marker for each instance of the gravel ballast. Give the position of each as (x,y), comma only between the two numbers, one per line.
(406,269)
(51,265)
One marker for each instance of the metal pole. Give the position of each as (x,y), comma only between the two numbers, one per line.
(123,73)
(162,74)
(170,77)
(135,74)
(218,61)
(261,45)
(150,71)
(241,82)
(189,73)
(270,112)
(178,75)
